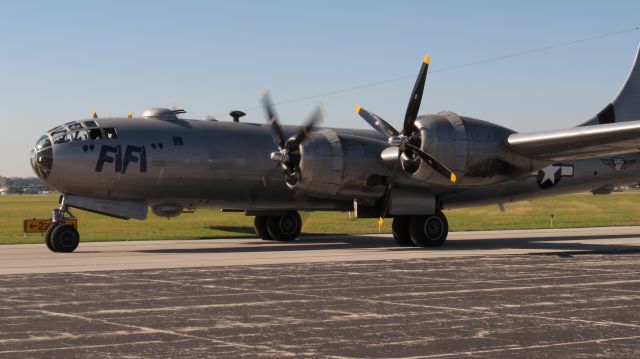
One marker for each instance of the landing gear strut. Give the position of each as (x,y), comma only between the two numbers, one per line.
(421,231)
(61,237)
(285,227)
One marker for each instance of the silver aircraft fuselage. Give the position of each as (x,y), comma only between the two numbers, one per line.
(195,164)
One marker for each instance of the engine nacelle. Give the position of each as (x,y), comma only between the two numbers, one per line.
(342,166)
(474,150)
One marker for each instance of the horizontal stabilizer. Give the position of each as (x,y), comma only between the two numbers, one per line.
(579,142)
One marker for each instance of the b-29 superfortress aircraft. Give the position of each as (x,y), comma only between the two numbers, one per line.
(122,166)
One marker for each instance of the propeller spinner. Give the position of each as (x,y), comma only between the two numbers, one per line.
(408,139)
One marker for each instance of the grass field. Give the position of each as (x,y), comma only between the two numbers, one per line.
(578,210)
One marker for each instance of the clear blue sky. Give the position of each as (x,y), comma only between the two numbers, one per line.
(61,59)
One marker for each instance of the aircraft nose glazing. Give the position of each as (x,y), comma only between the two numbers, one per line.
(41,157)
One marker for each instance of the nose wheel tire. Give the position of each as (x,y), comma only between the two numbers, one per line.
(64,238)
(400,230)
(429,231)
(286,227)
(260,226)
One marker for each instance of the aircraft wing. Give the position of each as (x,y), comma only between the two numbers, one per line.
(579,142)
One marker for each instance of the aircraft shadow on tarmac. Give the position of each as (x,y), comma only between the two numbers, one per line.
(557,244)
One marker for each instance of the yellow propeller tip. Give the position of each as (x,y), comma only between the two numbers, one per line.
(454,178)
(426,59)
(380,221)
(358,108)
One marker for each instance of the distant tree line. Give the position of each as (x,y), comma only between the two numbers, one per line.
(13,189)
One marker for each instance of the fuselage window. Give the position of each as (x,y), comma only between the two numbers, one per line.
(95,134)
(110,133)
(177,141)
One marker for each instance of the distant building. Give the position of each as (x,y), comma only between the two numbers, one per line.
(32,190)
(3,190)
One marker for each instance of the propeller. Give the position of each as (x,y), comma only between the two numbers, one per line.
(408,139)
(288,153)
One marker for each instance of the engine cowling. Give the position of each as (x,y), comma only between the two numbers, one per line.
(475,150)
(341,166)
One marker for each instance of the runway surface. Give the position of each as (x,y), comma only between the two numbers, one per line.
(551,293)
(35,258)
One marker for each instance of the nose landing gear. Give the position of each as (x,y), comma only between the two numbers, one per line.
(61,237)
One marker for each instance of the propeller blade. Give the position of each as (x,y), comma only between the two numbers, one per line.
(278,136)
(376,122)
(434,163)
(316,117)
(416,96)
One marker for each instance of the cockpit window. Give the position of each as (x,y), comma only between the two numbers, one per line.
(76,136)
(43,142)
(57,130)
(59,138)
(73,126)
(80,135)
(110,133)
(90,124)
(42,157)
(95,134)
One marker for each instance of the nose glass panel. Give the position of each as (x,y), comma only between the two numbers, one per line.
(41,157)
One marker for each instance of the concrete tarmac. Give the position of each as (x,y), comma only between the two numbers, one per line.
(101,256)
(548,293)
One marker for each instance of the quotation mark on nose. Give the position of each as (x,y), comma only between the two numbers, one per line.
(86,148)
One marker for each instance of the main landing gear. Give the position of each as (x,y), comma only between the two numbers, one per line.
(285,227)
(61,237)
(421,231)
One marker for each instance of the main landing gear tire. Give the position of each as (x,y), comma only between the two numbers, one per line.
(47,237)
(260,226)
(284,228)
(429,231)
(65,238)
(400,230)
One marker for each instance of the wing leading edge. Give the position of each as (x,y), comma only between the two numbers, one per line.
(578,143)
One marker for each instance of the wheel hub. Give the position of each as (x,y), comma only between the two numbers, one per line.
(288,224)
(433,227)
